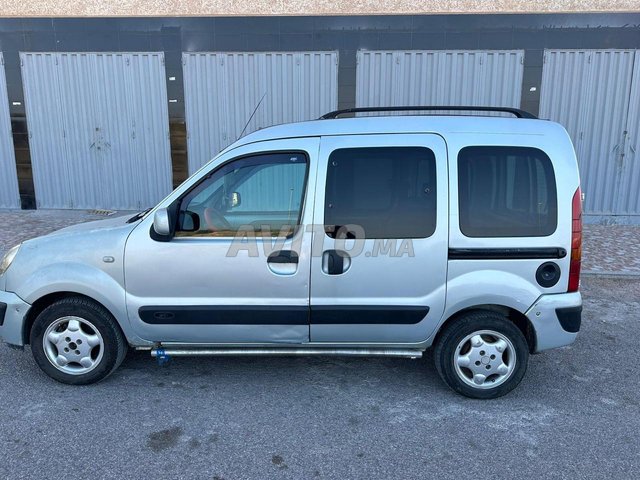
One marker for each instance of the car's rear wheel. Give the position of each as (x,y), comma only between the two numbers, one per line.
(481,355)
(77,341)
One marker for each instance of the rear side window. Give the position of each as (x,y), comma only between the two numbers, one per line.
(390,192)
(506,192)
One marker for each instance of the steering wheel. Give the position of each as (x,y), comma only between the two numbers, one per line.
(215,220)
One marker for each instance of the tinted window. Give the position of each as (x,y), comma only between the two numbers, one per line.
(506,192)
(263,193)
(389,191)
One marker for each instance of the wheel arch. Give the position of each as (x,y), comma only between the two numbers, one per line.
(46,285)
(49,299)
(518,318)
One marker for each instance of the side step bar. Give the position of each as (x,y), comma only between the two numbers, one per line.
(284,352)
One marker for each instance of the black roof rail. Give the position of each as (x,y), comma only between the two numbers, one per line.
(414,108)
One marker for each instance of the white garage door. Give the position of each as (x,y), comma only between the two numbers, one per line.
(9,196)
(98,129)
(595,95)
(475,77)
(222,91)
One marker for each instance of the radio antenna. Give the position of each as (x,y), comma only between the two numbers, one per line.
(254,112)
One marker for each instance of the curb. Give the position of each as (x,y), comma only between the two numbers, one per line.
(610,274)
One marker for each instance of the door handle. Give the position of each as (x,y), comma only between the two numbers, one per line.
(283,256)
(335,262)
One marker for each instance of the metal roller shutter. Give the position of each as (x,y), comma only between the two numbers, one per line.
(439,77)
(595,94)
(9,196)
(98,129)
(222,90)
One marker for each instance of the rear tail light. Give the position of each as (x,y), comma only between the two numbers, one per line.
(576,242)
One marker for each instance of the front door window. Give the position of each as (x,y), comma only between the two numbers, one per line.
(260,193)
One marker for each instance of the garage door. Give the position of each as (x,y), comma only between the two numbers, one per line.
(595,95)
(98,129)
(223,90)
(9,196)
(394,78)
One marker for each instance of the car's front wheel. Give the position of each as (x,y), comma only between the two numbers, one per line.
(481,355)
(77,341)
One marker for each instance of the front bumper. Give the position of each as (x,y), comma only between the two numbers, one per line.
(550,332)
(11,327)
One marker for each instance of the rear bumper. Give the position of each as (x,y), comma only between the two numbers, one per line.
(11,325)
(556,320)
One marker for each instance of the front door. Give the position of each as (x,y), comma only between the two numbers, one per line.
(378,272)
(237,269)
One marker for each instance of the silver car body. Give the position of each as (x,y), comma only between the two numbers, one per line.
(120,265)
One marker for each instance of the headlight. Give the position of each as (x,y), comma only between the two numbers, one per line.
(8,258)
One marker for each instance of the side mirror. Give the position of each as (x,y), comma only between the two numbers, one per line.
(235,199)
(161,223)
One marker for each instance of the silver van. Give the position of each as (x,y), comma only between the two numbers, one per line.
(369,236)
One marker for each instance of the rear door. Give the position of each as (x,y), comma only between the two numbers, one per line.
(379,259)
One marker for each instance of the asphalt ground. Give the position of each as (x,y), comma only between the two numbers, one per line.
(575,415)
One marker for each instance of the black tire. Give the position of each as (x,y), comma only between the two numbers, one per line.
(455,332)
(114,348)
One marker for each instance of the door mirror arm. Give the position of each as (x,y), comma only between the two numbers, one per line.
(189,221)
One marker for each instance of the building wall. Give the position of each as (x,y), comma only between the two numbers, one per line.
(346,34)
(45,8)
